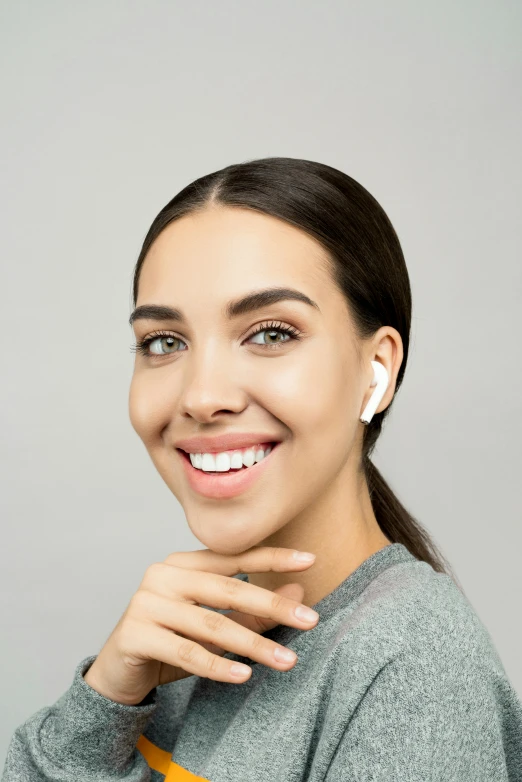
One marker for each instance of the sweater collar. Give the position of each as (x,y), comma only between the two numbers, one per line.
(347,590)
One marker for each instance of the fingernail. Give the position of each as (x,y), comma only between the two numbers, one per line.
(239,670)
(306,614)
(303,556)
(284,655)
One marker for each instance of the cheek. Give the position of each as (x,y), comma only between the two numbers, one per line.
(317,400)
(311,393)
(148,407)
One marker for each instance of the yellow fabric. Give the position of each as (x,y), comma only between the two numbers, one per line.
(160,760)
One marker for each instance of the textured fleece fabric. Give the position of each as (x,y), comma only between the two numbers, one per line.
(399,680)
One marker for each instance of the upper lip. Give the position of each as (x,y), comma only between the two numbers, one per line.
(224,442)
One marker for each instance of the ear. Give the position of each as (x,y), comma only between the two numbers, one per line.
(386,347)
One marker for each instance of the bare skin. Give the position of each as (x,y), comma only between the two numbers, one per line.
(216,376)
(165,634)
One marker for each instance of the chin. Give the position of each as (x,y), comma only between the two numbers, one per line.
(228,551)
(223,535)
(228,545)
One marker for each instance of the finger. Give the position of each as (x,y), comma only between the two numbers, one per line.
(258,559)
(163,645)
(223,592)
(260,624)
(200,624)
(257,624)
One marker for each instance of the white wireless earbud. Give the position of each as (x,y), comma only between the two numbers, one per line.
(380,379)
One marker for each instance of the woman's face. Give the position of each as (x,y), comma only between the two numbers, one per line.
(212,374)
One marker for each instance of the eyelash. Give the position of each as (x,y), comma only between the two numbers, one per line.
(143,345)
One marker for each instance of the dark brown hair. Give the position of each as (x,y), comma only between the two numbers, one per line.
(366,262)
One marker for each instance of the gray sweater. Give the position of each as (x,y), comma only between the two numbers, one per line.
(398,682)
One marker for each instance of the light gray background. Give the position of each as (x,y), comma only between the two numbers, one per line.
(107,110)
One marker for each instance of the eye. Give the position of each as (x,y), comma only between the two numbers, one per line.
(275,329)
(166,340)
(163,338)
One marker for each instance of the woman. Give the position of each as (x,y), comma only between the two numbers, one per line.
(272,318)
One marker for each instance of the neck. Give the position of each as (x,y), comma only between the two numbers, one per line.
(340,529)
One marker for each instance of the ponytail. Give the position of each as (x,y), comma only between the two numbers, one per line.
(400,526)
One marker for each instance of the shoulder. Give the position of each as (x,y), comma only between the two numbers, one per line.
(413,614)
(418,685)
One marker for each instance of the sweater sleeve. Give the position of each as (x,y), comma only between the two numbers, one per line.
(427,719)
(82,736)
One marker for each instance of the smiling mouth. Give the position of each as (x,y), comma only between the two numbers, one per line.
(233,471)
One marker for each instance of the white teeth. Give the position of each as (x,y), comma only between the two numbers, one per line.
(223,462)
(249,457)
(236,461)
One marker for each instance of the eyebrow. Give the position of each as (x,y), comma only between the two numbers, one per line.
(252,301)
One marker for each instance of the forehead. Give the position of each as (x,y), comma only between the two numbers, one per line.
(224,251)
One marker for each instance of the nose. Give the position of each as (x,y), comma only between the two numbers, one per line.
(211,385)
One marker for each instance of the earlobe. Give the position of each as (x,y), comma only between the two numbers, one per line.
(381,381)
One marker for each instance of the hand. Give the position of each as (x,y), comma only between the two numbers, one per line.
(165,635)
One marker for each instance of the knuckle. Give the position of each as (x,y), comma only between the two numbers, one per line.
(187,651)
(183,559)
(214,621)
(153,574)
(277,602)
(230,586)
(212,663)
(140,602)
(256,642)
(274,554)
(174,558)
